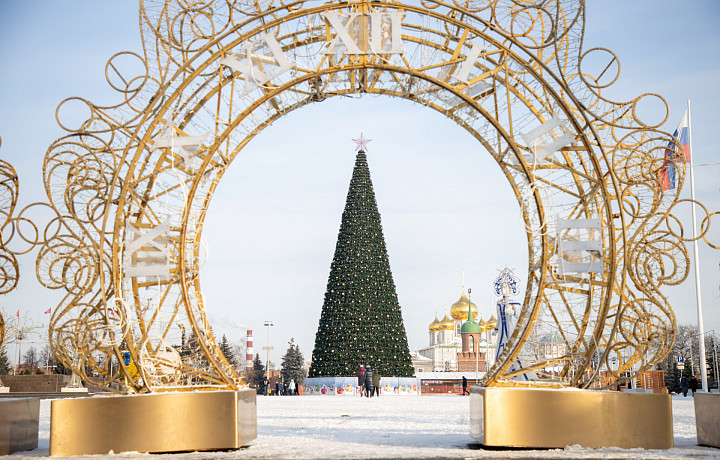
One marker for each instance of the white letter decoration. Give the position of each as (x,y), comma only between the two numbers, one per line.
(570,248)
(147,254)
(256,67)
(541,151)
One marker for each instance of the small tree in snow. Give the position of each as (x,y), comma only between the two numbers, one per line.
(293,364)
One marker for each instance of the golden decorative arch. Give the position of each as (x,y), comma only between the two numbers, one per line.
(131,185)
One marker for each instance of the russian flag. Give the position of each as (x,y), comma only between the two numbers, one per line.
(667,175)
(673,154)
(682,134)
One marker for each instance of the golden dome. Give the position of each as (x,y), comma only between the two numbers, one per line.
(447,323)
(459,309)
(482,325)
(435,325)
(491,323)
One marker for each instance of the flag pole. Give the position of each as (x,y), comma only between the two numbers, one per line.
(701,328)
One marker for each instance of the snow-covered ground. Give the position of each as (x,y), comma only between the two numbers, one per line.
(392,427)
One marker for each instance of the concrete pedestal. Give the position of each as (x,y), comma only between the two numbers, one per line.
(34,383)
(158,422)
(75,385)
(73,390)
(707,418)
(539,418)
(19,420)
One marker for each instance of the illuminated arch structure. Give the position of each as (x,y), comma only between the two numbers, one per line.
(131,185)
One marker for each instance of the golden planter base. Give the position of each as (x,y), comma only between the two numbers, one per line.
(19,421)
(158,422)
(707,418)
(539,418)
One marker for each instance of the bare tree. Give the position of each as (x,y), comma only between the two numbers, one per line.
(47,358)
(239,349)
(31,357)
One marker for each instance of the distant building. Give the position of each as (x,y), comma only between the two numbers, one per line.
(20,369)
(445,351)
(471,357)
(421,363)
(552,346)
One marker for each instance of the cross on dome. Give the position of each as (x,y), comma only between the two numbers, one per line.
(361,144)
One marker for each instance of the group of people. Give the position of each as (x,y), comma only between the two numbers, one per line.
(279,388)
(692,385)
(368,381)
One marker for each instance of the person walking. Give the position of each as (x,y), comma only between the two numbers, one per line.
(291,387)
(266,386)
(465,390)
(693,385)
(376,383)
(684,386)
(361,378)
(277,388)
(368,381)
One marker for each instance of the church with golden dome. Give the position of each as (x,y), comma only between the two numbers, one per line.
(453,337)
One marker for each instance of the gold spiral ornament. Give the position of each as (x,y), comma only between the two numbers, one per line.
(9,270)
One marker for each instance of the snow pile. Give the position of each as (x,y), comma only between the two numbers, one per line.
(393,427)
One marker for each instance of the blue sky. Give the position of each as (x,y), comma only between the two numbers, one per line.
(273,223)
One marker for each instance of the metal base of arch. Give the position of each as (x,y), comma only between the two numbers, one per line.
(542,418)
(170,422)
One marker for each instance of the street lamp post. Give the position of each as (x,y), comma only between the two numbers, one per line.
(18,347)
(716,361)
(268,348)
(692,360)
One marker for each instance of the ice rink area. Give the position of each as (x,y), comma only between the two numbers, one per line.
(392,427)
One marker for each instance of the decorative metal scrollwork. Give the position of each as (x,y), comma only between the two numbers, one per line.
(130,186)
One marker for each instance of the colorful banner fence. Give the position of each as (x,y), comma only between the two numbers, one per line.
(348,386)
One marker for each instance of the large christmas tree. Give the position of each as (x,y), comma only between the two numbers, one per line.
(361,322)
